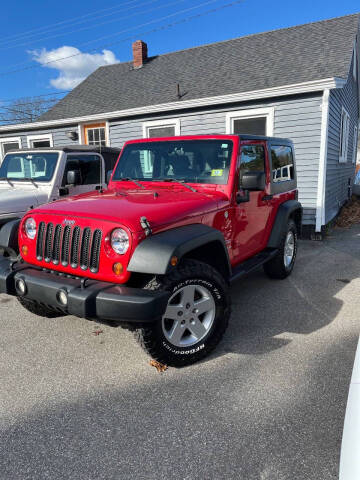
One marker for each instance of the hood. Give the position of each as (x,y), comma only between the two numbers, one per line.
(16,199)
(160,207)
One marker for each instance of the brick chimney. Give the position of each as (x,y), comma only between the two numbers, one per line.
(139,53)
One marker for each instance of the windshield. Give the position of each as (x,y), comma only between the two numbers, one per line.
(31,165)
(193,161)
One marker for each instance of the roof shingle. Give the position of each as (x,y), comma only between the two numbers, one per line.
(287,56)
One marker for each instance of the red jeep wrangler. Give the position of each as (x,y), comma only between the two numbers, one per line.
(182,218)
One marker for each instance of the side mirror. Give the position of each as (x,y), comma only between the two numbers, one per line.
(108,176)
(73,177)
(253,181)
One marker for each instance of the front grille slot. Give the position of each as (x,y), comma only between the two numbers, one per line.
(56,245)
(65,247)
(69,245)
(74,261)
(85,247)
(40,241)
(48,242)
(95,251)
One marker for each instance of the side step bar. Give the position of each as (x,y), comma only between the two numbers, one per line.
(252,264)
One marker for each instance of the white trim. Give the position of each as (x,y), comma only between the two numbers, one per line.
(321,187)
(304,87)
(251,113)
(166,122)
(107,133)
(355,144)
(46,136)
(8,140)
(344,136)
(80,134)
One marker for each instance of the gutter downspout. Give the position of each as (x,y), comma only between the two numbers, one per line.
(320,201)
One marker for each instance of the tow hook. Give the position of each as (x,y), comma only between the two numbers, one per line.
(145,225)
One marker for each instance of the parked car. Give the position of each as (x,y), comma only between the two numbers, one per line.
(350,445)
(183,218)
(32,177)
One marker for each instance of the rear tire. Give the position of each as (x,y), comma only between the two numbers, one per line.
(39,310)
(196,317)
(282,265)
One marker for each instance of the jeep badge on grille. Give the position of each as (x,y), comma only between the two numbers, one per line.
(68,222)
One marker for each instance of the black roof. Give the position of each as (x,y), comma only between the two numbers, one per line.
(282,57)
(71,148)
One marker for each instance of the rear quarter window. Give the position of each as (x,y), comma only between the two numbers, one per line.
(282,161)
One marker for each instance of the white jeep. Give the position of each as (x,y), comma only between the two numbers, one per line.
(32,177)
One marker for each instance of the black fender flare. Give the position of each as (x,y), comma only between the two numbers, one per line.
(153,255)
(9,235)
(285,211)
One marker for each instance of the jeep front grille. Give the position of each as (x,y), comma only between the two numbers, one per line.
(69,245)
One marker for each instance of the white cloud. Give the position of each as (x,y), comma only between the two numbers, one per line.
(73,69)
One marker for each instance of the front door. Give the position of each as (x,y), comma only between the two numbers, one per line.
(91,172)
(251,218)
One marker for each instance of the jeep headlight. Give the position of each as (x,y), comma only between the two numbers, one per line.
(120,241)
(30,228)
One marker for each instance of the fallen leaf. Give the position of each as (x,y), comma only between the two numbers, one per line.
(97,332)
(160,367)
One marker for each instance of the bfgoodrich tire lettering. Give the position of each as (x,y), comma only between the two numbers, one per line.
(199,277)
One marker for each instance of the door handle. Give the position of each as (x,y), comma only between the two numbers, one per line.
(266,198)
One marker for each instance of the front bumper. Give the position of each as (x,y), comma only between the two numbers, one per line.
(92,299)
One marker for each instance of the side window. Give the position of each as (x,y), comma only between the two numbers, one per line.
(282,163)
(252,159)
(89,166)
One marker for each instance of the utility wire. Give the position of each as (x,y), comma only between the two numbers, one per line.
(72,20)
(97,23)
(6,100)
(130,38)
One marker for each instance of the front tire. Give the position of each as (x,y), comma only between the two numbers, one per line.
(195,319)
(283,263)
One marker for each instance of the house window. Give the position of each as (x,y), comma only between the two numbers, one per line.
(256,121)
(161,128)
(40,141)
(95,134)
(8,144)
(355,144)
(344,136)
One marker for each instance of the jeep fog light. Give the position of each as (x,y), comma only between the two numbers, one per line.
(21,286)
(62,298)
(118,268)
(119,241)
(30,228)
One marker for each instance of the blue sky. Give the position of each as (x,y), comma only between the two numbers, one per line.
(37,32)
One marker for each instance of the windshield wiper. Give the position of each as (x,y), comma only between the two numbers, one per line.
(132,180)
(182,182)
(6,178)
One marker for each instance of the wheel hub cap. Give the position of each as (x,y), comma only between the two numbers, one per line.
(189,316)
(289,248)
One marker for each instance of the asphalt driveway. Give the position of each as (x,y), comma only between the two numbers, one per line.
(269,404)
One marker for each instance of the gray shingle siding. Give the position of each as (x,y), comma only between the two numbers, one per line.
(59,135)
(339,174)
(296,118)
